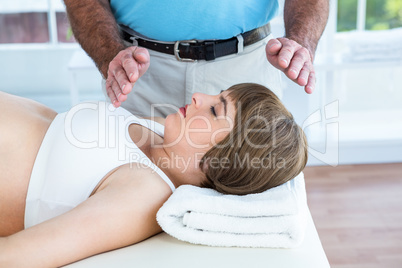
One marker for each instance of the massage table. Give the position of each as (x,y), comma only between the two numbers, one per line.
(163,250)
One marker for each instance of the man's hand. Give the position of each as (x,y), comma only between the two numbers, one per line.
(124,70)
(294,60)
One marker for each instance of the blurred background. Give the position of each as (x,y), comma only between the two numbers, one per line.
(353,120)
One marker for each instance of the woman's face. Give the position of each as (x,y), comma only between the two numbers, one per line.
(195,128)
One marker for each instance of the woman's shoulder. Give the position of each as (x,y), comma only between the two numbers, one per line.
(138,178)
(157,119)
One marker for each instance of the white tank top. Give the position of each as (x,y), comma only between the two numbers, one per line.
(80,147)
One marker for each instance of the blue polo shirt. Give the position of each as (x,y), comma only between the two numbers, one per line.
(172,20)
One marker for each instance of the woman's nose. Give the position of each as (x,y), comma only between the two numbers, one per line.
(198,99)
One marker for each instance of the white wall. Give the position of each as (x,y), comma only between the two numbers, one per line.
(41,71)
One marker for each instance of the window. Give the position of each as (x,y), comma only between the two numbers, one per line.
(29,27)
(371,54)
(34,21)
(35,49)
(347,15)
(369,15)
(358,64)
(64,32)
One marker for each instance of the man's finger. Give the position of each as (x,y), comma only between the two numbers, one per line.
(285,55)
(273,47)
(302,79)
(141,55)
(121,77)
(309,88)
(110,92)
(297,62)
(117,92)
(130,66)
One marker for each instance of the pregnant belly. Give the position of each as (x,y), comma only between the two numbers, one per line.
(23,124)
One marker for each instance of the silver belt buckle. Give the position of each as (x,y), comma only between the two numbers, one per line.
(177,51)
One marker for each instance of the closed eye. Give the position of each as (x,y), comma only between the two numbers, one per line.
(213,110)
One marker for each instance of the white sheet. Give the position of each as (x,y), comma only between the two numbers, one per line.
(165,251)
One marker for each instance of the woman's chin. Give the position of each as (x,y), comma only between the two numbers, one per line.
(173,127)
(169,119)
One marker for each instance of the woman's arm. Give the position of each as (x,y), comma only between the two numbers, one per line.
(121,213)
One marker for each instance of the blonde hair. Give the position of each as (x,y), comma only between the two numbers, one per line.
(264,149)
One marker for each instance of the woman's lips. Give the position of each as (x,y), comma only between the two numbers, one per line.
(183,111)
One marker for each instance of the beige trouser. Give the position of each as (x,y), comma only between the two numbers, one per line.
(169,84)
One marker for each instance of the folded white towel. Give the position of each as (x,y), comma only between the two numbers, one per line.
(275,218)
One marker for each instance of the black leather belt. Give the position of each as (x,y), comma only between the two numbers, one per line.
(192,50)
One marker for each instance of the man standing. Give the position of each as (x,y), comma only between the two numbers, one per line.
(194,45)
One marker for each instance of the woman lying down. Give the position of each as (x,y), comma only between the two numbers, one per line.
(91,180)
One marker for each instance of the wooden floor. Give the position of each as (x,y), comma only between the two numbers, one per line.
(357,210)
